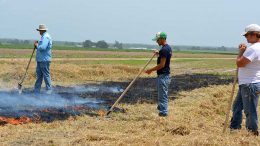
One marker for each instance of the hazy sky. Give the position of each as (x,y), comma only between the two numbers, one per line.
(187,22)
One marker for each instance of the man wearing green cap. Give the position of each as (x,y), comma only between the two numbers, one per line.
(163,72)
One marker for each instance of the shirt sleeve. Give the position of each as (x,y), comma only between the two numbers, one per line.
(250,54)
(164,53)
(43,44)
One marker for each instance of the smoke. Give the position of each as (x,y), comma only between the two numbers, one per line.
(11,103)
(41,101)
(92,88)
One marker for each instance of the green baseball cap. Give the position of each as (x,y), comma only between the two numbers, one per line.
(160,35)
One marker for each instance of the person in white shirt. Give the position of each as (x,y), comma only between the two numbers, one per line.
(248,63)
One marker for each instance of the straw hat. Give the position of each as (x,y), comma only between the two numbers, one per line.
(42,27)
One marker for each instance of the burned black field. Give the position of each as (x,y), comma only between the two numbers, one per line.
(60,105)
(90,99)
(84,91)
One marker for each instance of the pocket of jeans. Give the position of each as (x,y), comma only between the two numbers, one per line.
(169,81)
(249,90)
(256,87)
(245,90)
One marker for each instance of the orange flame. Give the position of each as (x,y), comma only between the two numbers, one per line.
(101,113)
(15,121)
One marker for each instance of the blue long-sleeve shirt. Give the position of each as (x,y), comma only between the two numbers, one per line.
(43,52)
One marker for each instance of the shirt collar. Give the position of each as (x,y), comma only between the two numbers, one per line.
(44,34)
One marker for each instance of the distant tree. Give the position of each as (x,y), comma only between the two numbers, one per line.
(15,41)
(195,48)
(177,48)
(101,44)
(69,43)
(26,42)
(88,44)
(223,48)
(118,45)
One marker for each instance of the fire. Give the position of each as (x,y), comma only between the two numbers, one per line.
(101,113)
(65,103)
(46,115)
(14,121)
(45,110)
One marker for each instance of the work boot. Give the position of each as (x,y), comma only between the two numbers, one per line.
(234,131)
(255,133)
(162,115)
(158,107)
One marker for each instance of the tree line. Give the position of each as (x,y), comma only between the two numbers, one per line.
(85,44)
(101,44)
(116,44)
(15,41)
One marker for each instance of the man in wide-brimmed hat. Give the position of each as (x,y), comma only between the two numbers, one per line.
(248,63)
(43,58)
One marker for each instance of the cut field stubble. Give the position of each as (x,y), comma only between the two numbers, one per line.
(196,116)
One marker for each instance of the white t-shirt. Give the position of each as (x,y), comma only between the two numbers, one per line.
(251,72)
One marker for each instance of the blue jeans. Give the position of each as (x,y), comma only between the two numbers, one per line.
(163,82)
(43,72)
(247,100)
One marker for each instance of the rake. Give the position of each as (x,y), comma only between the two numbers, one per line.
(129,86)
(230,102)
(20,84)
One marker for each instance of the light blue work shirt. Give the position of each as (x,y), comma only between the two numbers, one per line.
(43,52)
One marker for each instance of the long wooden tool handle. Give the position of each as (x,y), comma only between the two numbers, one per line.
(230,102)
(28,65)
(129,86)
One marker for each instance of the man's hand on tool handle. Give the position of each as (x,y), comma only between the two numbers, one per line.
(242,49)
(241,60)
(148,71)
(156,52)
(35,44)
